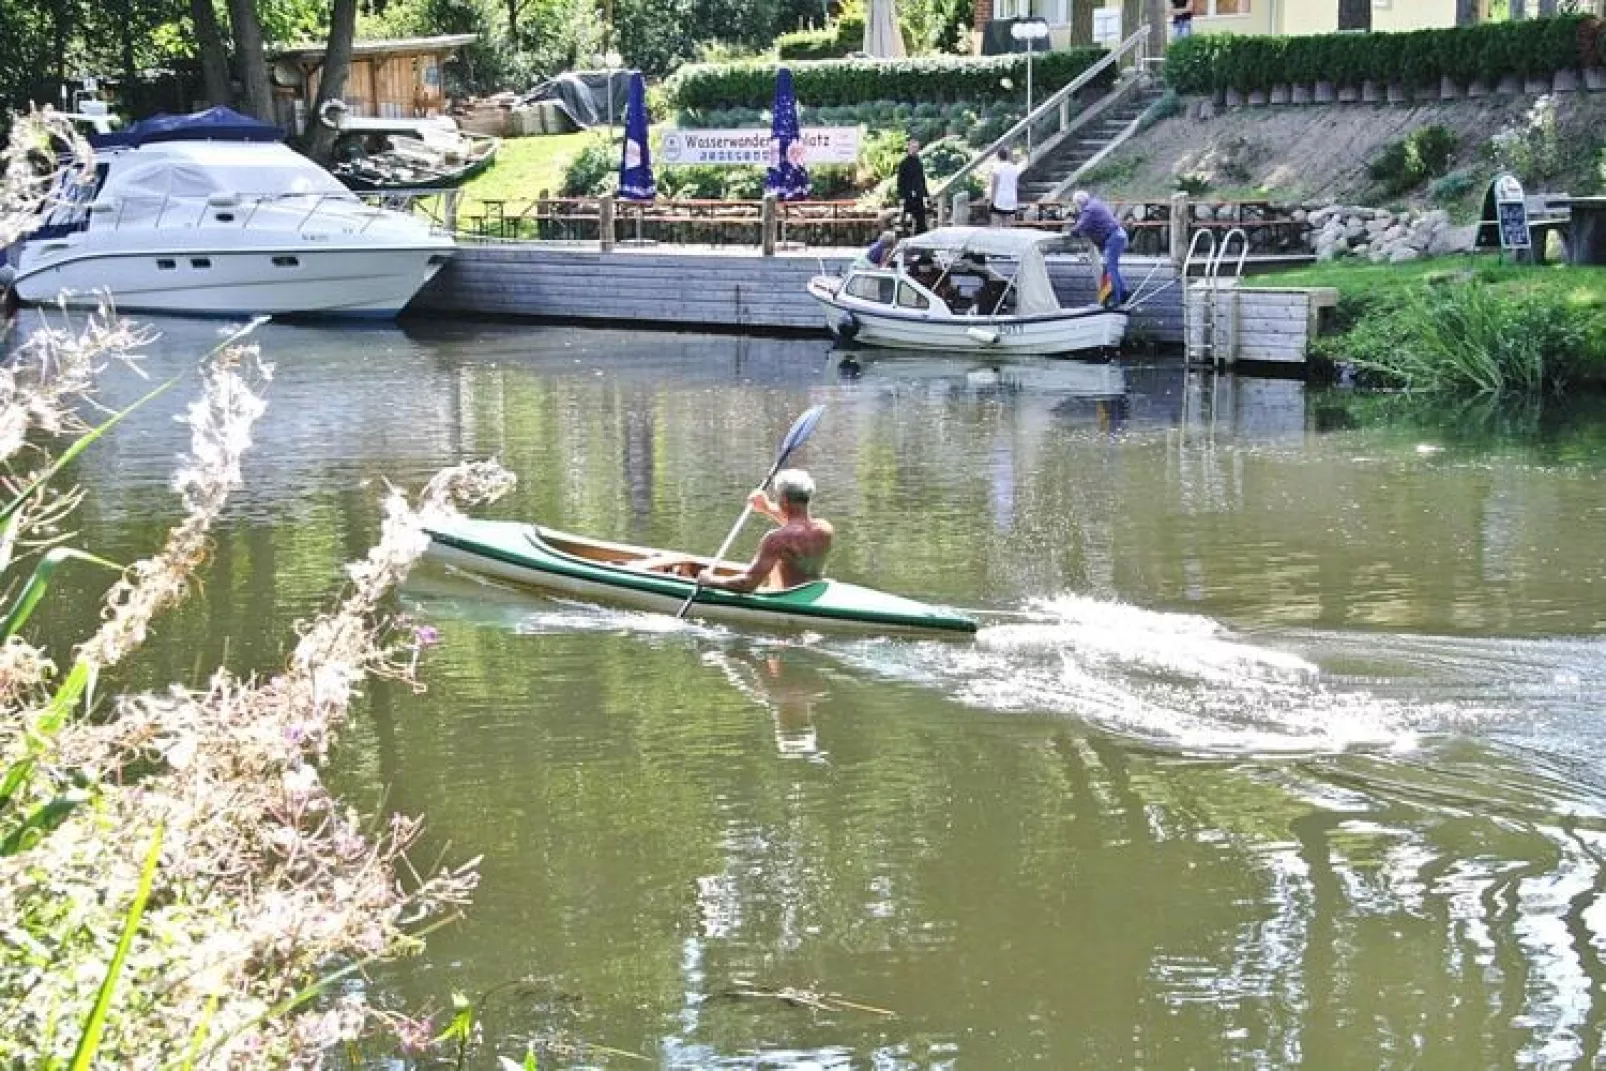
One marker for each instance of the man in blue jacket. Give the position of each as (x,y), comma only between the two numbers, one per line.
(1096,223)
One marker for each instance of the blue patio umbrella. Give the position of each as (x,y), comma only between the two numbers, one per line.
(635,169)
(788,179)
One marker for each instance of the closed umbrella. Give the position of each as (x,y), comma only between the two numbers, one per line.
(787,178)
(881,36)
(635,169)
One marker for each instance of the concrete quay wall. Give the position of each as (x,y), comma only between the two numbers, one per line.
(661,287)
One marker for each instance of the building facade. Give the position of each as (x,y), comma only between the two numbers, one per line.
(1080,21)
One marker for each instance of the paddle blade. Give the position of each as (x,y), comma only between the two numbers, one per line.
(802,428)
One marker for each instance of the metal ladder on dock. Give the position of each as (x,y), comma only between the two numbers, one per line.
(1203,344)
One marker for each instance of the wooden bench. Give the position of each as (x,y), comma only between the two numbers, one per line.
(1545,215)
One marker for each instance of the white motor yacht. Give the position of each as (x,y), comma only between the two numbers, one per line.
(964,289)
(211,214)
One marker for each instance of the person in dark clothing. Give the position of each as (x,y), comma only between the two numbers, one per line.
(1181,19)
(912,191)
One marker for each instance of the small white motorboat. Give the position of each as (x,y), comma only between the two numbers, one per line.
(965,289)
(211,214)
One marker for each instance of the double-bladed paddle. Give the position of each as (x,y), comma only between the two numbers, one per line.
(802,428)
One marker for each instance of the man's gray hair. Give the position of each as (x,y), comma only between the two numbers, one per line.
(794,485)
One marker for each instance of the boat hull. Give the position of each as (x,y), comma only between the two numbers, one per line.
(375,282)
(524,554)
(1074,331)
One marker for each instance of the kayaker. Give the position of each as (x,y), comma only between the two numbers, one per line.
(791,554)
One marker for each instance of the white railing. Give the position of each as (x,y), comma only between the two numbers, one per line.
(1057,107)
(295,212)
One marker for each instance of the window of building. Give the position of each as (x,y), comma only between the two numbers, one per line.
(1217,8)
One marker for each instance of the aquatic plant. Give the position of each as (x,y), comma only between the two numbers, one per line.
(1466,335)
(177,886)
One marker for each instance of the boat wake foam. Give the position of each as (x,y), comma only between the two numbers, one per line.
(1178,680)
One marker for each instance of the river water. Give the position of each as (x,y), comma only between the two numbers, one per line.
(1281,743)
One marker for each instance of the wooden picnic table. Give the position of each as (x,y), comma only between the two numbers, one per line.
(1586,238)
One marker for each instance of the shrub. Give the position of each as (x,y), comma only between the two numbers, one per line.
(593,171)
(1423,154)
(1454,186)
(1193,183)
(1168,105)
(835,41)
(1190,63)
(1469,337)
(1531,148)
(828,82)
(1531,47)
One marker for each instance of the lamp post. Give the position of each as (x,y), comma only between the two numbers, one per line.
(1030,31)
(609,61)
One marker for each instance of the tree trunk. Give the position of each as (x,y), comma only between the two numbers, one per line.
(513,24)
(253,63)
(125,33)
(1354,14)
(319,139)
(214,59)
(62,12)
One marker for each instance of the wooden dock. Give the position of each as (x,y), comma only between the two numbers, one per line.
(1228,322)
(688,288)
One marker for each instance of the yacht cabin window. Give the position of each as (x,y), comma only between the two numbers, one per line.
(877,288)
(910,298)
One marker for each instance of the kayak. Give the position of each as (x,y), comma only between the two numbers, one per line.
(534,556)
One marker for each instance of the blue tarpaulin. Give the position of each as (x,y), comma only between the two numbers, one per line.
(787,178)
(215,124)
(635,169)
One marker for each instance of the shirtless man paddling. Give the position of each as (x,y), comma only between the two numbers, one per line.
(795,552)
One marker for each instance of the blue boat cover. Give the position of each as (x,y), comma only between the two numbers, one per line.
(214,124)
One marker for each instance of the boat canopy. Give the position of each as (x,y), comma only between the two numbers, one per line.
(214,124)
(202,169)
(1034,293)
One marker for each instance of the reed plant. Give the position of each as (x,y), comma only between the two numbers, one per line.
(177,888)
(1468,336)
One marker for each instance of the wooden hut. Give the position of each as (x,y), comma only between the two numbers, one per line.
(392,79)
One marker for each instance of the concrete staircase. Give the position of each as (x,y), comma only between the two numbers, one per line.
(1081,146)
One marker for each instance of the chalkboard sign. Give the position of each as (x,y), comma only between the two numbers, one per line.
(1505,215)
(1514,225)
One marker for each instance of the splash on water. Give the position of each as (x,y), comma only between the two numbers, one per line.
(1178,680)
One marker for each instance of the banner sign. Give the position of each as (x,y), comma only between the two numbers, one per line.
(819,144)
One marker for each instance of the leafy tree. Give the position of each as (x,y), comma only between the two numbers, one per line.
(320,137)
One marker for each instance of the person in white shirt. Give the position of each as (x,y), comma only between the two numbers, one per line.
(1004,191)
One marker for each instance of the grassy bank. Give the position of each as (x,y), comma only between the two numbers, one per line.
(526,166)
(1465,325)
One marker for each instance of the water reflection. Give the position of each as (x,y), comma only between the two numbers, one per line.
(1281,744)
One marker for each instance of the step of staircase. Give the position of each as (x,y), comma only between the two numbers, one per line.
(1067,157)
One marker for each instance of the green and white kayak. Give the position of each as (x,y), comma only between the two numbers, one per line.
(533,556)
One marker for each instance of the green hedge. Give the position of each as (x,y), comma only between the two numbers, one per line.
(833,42)
(702,86)
(1533,48)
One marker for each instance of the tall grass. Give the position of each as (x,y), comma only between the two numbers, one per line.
(206,949)
(1468,336)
